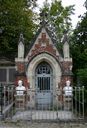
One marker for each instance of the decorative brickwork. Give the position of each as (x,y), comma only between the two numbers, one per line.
(21,67)
(43,45)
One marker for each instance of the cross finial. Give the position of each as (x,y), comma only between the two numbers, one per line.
(43,16)
(21,38)
(65,37)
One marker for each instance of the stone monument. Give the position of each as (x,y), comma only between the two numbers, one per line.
(68,94)
(68,89)
(20,96)
(20,89)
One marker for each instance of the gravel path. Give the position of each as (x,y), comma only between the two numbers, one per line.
(41,125)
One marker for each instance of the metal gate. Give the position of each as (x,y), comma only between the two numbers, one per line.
(70,109)
(43,85)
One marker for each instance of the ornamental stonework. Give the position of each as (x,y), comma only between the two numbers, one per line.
(43,45)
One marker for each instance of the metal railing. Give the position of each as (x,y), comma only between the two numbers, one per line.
(78,101)
(6,100)
(35,105)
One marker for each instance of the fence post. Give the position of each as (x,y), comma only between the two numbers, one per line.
(83,99)
(1,101)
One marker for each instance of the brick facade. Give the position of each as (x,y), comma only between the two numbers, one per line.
(43,49)
(44,44)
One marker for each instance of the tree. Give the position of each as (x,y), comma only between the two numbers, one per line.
(58,17)
(16,16)
(82,76)
(79,49)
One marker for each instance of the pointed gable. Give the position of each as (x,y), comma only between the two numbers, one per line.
(43,43)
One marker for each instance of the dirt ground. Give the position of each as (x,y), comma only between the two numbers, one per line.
(27,124)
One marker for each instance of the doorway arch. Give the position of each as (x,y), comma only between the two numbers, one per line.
(44,86)
(31,76)
(44,75)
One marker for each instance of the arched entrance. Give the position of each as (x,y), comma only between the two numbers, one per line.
(32,75)
(44,84)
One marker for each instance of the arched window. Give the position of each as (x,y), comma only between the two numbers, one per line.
(43,76)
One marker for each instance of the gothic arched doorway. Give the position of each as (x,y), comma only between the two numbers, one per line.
(44,84)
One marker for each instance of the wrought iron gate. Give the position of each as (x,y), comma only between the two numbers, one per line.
(43,85)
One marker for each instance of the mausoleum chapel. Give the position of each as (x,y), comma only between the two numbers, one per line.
(43,68)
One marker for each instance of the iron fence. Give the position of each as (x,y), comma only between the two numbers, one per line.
(31,106)
(7,100)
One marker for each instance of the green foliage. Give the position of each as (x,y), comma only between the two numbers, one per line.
(15,17)
(82,75)
(79,45)
(79,54)
(59,19)
(79,50)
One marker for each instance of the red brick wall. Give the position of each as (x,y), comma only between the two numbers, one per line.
(20,67)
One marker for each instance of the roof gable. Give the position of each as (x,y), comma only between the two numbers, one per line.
(43,42)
